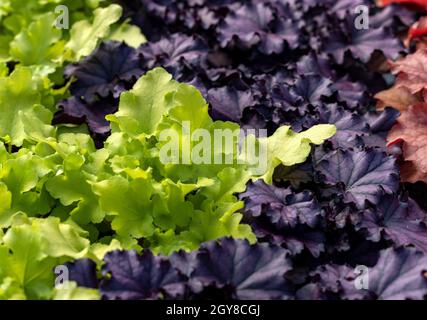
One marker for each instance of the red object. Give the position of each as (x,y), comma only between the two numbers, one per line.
(394,142)
(415,33)
(419,29)
(418,3)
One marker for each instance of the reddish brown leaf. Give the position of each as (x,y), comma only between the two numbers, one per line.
(397,97)
(412,71)
(411,128)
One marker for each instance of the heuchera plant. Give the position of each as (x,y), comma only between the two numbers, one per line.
(301,63)
(58,186)
(94,182)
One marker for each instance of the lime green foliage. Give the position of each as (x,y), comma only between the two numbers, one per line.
(22,115)
(30,37)
(33,33)
(39,43)
(30,250)
(49,213)
(85,35)
(288,148)
(130,34)
(4,71)
(59,195)
(70,291)
(142,108)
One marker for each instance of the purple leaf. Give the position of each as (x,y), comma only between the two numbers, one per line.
(312,88)
(254,272)
(360,175)
(400,221)
(344,37)
(140,277)
(283,207)
(228,103)
(255,24)
(349,125)
(98,76)
(83,272)
(399,274)
(77,111)
(174,53)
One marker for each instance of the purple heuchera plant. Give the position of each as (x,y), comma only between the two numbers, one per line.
(263,64)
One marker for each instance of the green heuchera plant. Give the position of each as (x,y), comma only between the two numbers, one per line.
(30,251)
(62,199)
(35,34)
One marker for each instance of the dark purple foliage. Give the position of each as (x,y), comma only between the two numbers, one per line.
(234,267)
(178,54)
(264,64)
(145,276)
(83,272)
(344,38)
(401,222)
(359,176)
(282,206)
(257,25)
(77,111)
(105,72)
(350,126)
(229,103)
(398,275)
(250,272)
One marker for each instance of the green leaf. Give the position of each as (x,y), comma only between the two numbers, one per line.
(31,250)
(70,291)
(73,186)
(4,71)
(28,264)
(39,43)
(4,8)
(189,105)
(230,181)
(85,36)
(98,250)
(22,116)
(130,34)
(130,203)
(170,208)
(5,200)
(11,290)
(4,47)
(142,108)
(20,188)
(217,221)
(61,239)
(289,148)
